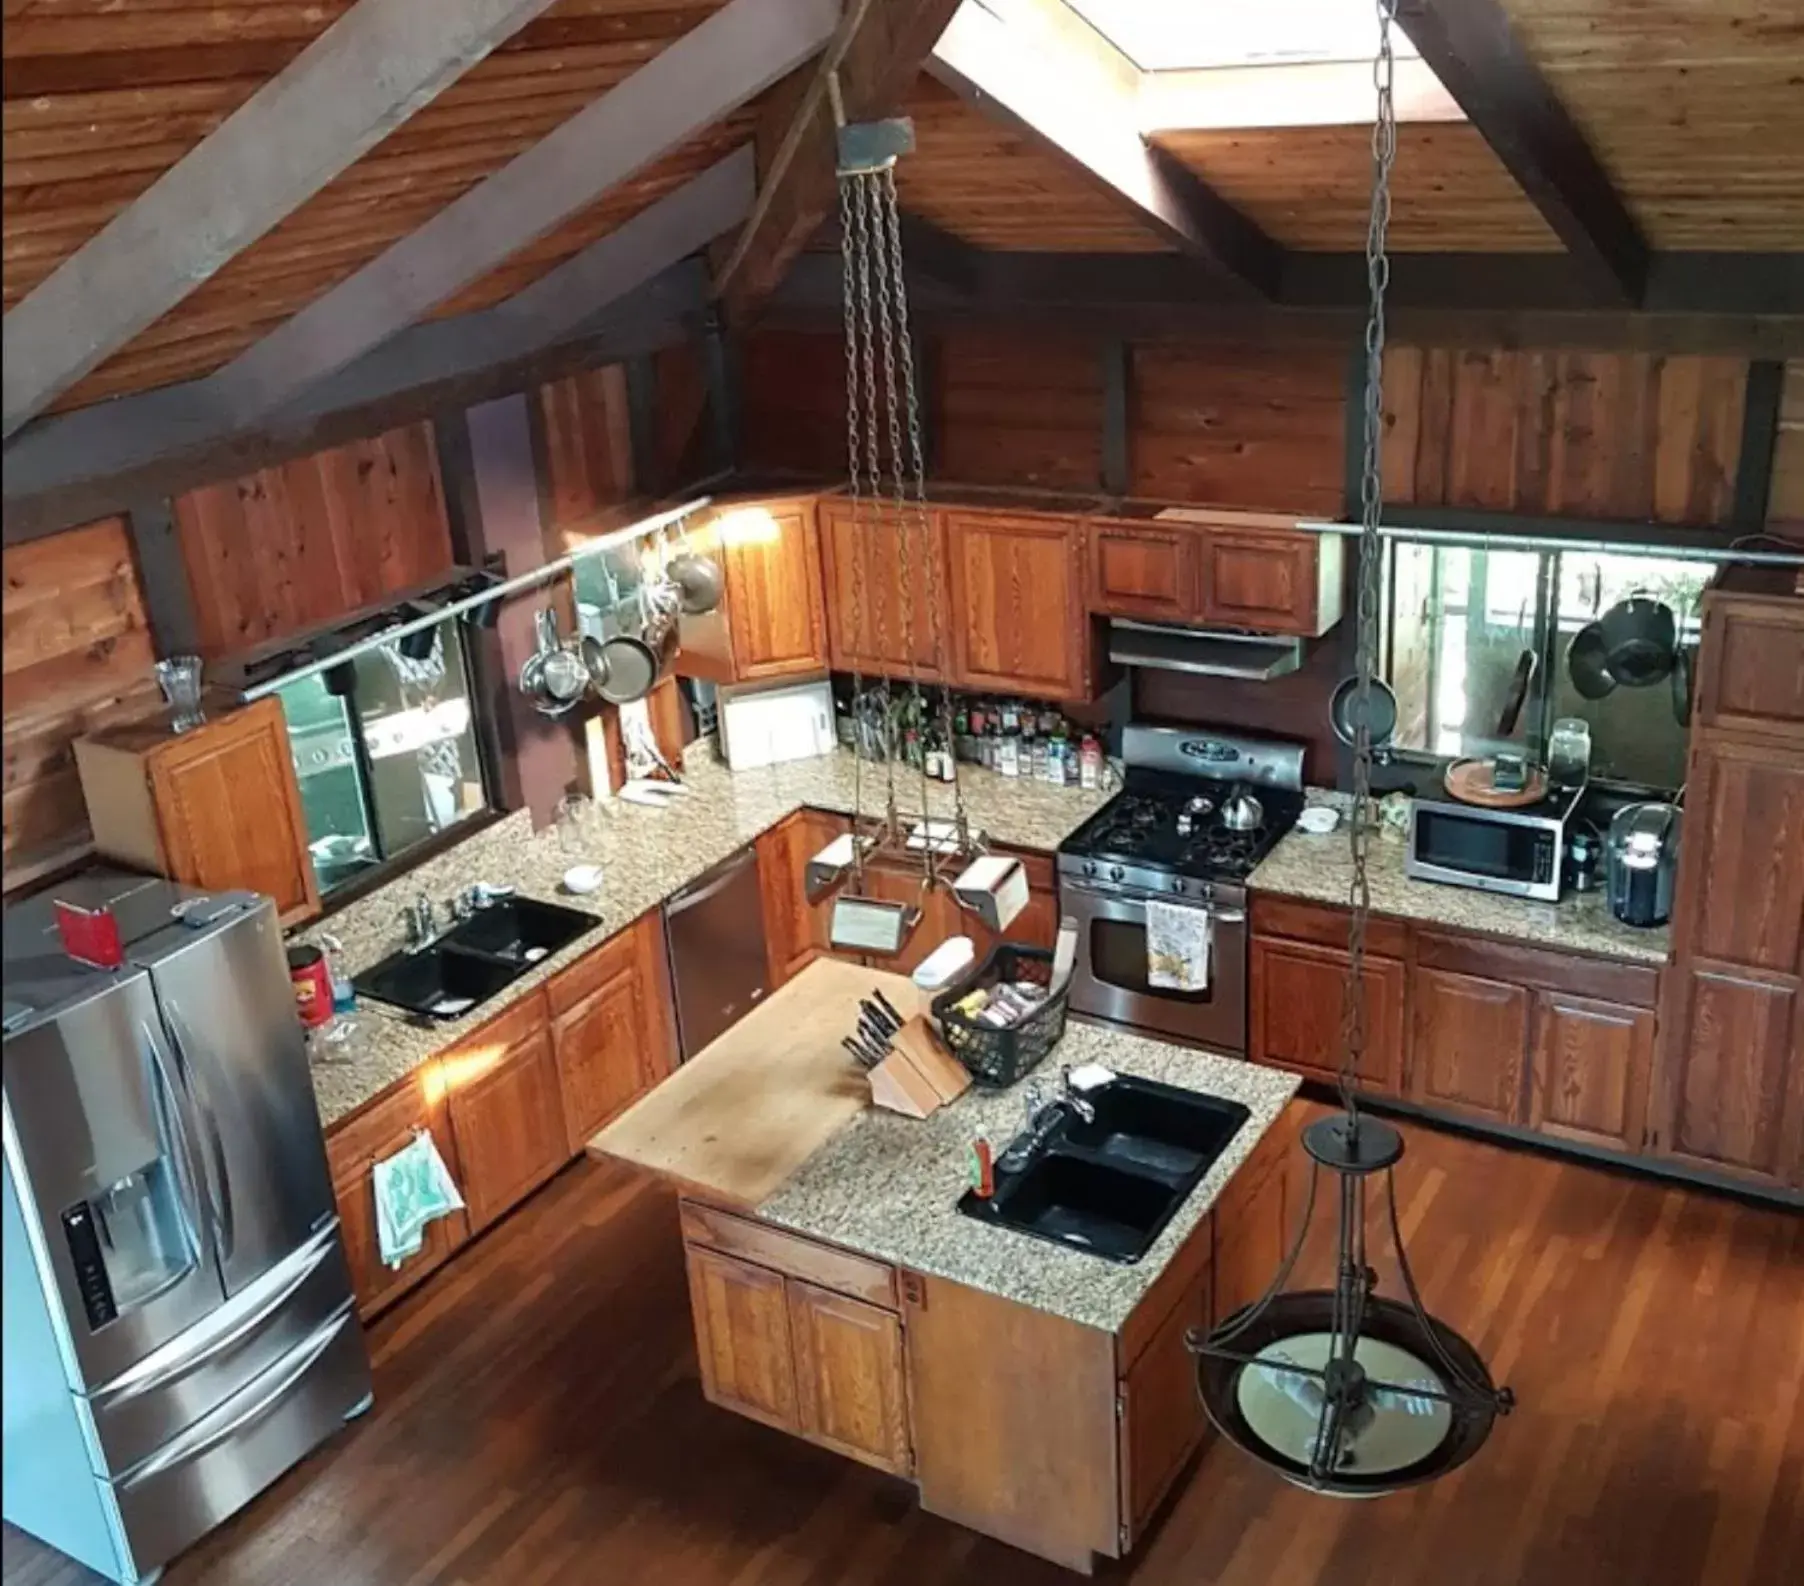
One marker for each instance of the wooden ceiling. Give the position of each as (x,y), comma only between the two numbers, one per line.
(1696,112)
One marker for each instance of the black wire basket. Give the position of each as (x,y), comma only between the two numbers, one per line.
(999,1057)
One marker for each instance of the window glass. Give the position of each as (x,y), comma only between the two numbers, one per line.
(385,751)
(1460,620)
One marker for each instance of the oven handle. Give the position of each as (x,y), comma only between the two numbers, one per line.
(1131,896)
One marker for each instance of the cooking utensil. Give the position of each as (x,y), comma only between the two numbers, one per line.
(1243,813)
(1516,694)
(1587,663)
(1345,702)
(628,669)
(1475,782)
(888,1007)
(698,581)
(1639,636)
(1681,686)
(553,678)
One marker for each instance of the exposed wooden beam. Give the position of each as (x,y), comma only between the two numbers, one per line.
(77,466)
(1479,59)
(1034,79)
(878,51)
(368,72)
(706,74)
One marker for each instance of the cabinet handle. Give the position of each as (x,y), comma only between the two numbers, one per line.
(914,1291)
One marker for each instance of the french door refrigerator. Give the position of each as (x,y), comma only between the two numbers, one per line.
(179,1325)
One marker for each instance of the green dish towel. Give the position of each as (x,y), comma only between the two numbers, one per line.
(412,1187)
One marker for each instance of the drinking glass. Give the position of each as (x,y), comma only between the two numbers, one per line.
(575,824)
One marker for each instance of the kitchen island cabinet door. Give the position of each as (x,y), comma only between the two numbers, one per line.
(1296,1012)
(1162,1423)
(850,1393)
(507,1119)
(1018,621)
(1468,1044)
(742,1338)
(1589,1069)
(795,930)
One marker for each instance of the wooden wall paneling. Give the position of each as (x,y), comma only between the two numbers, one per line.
(294,546)
(585,445)
(681,438)
(1243,424)
(793,398)
(77,645)
(1785,501)
(1017,410)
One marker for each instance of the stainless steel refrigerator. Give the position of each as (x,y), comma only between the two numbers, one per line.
(179,1326)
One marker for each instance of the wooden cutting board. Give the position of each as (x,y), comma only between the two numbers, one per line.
(736,1120)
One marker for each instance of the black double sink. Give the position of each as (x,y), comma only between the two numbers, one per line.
(1110,1184)
(477,957)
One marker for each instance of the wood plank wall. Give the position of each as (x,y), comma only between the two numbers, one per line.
(1009,410)
(1785,503)
(292,547)
(1564,434)
(586,441)
(793,407)
(76,646)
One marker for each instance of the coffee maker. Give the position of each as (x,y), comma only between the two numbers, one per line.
(1642,855)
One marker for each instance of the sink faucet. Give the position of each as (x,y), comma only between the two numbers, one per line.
(422,923)
(1044,1114)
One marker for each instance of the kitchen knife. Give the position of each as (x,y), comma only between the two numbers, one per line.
(889,1008)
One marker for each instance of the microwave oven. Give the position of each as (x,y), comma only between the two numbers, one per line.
(1516,852)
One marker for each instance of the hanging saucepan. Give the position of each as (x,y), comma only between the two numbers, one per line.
(697,580)
(553,677)
(1344,705)
(1587,663)
(622,669)
(1639,635)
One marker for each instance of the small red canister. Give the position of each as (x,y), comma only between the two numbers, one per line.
(312,979)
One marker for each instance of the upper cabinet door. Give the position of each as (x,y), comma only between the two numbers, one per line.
(1018,604)
(230,812)
(1274,581)
(867,598)
(775,612)
(1751,669)
(1137,570)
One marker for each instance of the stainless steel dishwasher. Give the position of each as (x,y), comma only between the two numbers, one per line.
(715,927)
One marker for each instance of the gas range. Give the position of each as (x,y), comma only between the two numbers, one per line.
(1196,813)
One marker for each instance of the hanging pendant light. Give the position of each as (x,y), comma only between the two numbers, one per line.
(1341,1390)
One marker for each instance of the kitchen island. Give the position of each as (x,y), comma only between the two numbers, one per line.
(1030,1390)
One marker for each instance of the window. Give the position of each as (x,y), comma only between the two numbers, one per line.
(385,753)
(1188,35)
(1458,621)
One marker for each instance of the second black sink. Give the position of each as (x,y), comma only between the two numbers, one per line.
(520,930)
(438,981)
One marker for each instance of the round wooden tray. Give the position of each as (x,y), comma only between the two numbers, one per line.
(1469,781)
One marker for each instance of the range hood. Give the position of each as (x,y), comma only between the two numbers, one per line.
(1206,652)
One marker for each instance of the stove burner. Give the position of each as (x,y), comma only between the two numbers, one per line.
(1170,830)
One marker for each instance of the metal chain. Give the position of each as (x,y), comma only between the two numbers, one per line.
(917,467)
(1371,553)
(848,299)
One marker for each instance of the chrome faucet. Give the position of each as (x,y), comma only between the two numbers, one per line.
(421,921)
(1044,1114)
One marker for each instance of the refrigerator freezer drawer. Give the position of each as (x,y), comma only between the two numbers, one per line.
(168,1391)
(224,1460)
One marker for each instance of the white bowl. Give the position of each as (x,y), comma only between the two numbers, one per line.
(1319,819)
(582,879)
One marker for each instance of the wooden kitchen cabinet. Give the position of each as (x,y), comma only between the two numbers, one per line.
(506,1108)
(1018,619)
(742,1339)
(795,930)
(1751,658)
(1143,570)
(215,807)
(896,882)
(1589,1063)
(610,1028)
(353,1147)
(1162,1424)
(1469,1041)
(1271,580)
(850,1393)
(865,601)
(772,618)
(1295,1013)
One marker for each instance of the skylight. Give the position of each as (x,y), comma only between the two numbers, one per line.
(1195,35)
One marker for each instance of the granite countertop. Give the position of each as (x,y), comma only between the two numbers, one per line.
(1321,869)
(888,1186)
(646,854)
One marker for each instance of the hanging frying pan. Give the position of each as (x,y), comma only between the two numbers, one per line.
(1345,703)
(1639,636)
(1587,663)
(1681,686)
(621,669)
(1516,694)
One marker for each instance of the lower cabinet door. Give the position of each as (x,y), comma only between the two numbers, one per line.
(1468,1044)
(373,1282)
(1296,1012)
(509,1127)
(601,1055)
(1252,1234)
(848,1372)
(1162,1423)
(1589,1069)
(742,1337)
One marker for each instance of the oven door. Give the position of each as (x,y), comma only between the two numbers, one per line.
(1109,980)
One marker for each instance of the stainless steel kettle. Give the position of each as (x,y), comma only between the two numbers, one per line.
(1642,856)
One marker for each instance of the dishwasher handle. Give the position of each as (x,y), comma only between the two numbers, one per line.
(713,883)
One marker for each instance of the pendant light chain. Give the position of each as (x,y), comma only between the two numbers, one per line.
(1371,560)
(854,407)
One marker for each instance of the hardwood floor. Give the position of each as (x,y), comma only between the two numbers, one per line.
(538,1422)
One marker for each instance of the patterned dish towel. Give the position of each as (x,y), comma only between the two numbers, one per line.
(1177,947)
(412,1187)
